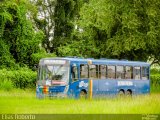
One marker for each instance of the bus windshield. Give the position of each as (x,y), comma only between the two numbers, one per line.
(55,74)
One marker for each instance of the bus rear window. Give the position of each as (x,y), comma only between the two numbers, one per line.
(145,73)
(84,71)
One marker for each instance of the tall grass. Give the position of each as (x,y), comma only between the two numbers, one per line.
(6,85)
(25,102)
(155,80)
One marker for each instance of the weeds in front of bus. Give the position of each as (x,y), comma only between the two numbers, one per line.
(19,101)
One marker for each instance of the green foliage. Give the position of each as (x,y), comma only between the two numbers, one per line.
(5,57)
(57,21)
(6,85)
(45,21)
(22,78)
(155,80)
(77,48)
(18,38)
(66,12)
(155,71)
(121,29)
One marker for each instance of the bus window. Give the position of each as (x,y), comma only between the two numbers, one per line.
(120,72)
(137,73)
(128,72)
(93,71)
(145,73)
(111,72)
(83,71)
(103,72)
(74,73)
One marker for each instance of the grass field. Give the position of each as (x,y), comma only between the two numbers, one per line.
(25,102)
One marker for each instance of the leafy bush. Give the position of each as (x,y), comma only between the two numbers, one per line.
(155,71)
(155,80)
(77,48)
(155,83)
(22,78)
(6,85)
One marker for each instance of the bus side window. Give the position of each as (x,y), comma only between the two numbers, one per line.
(103,72)
(93,71)
(128,72)
(84,71)
(145,73)
(137,73)
(120,72)
(74,73)
(111,72)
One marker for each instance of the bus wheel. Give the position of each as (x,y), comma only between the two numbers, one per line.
(121,93)
(83,95)
(128,93)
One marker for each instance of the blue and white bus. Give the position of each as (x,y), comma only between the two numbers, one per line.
(78,77)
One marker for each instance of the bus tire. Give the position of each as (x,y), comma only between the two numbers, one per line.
(121,93)
(129,93)
(83,94)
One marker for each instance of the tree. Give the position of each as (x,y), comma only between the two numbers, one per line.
(45,21)
(66,12)
(126,29)
(80,48)
(56,19)
(18,38)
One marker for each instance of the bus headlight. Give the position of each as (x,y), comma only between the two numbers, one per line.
(45,89)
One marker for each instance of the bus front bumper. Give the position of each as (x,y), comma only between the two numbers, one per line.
(51,95)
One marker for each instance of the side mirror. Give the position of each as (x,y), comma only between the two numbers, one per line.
(35,67)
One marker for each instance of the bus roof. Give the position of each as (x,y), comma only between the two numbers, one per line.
(100,61)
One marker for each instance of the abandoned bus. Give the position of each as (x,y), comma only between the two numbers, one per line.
(78,77)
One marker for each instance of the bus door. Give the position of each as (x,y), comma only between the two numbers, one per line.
(74,84)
